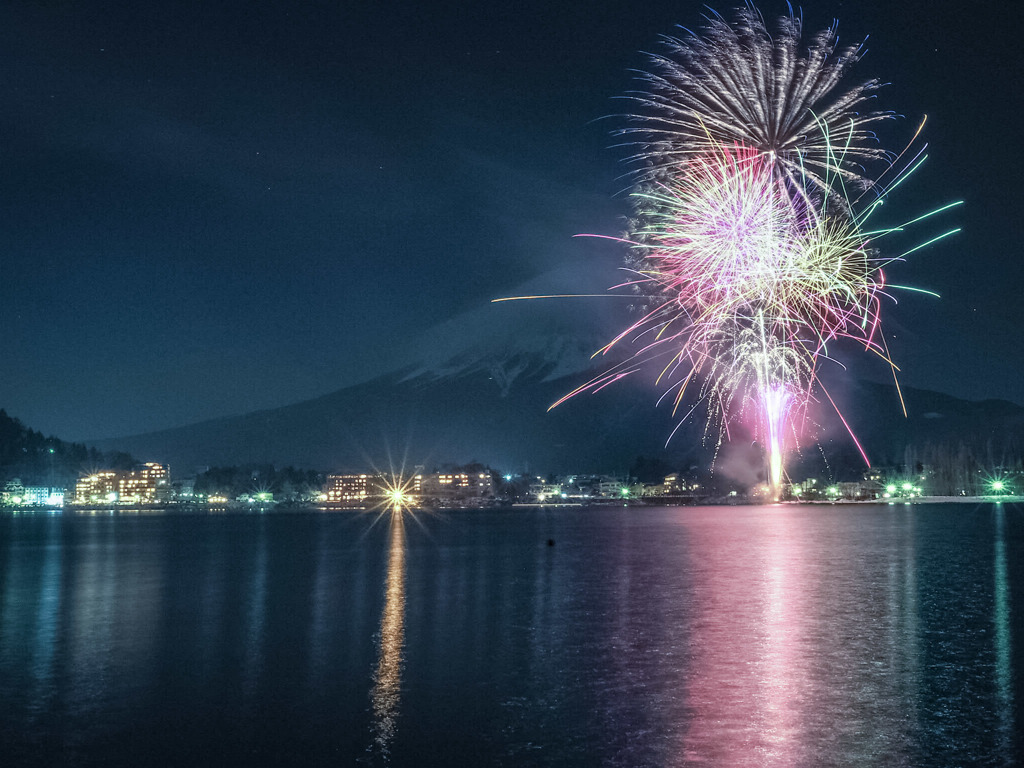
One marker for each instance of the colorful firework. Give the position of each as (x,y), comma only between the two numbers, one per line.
(739,84)
(747,249)
(748,285)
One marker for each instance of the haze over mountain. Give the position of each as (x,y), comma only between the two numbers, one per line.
(477,388)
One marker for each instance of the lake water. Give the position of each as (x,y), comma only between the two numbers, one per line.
(725,636)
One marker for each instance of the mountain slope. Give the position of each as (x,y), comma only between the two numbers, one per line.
(478,388)
(475,415)
(419,418)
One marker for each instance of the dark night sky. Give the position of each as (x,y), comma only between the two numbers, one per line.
(208,208)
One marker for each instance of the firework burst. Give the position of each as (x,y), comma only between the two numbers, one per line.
(748,284)
(747,252)
(740,84)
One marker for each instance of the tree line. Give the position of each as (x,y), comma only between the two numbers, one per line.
(47,461)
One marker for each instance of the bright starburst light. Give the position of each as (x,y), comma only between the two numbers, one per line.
(397,493)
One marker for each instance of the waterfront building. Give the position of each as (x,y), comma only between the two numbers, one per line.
(15,494)
(12,492)
(543,491)
(148,483)
(97,488)
(352,489)
(459,485)
(42,496)
(440,487)
(611,488)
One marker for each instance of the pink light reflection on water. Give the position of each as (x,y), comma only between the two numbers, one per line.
(747,684)
(804,644)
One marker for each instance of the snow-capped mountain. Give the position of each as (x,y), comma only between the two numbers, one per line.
(476,387)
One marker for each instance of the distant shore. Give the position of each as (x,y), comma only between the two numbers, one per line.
(203,509)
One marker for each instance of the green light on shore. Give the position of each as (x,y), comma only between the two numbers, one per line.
(998,486)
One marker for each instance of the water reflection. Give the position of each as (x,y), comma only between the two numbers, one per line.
(1004,690)
(795,656)
(255,618)
(784,684)
(785,636)
(31,585)
(387,679)
(750,682)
